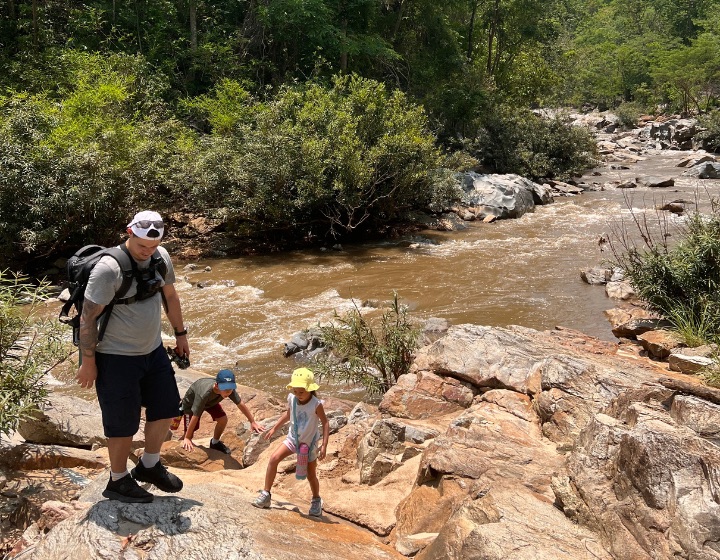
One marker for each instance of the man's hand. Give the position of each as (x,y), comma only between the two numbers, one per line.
(188,444)
(86,375)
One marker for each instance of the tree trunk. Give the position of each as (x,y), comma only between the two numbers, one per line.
(193,26)
(471,29)
(344,53)
(396,29)
(492,34)
(35,23)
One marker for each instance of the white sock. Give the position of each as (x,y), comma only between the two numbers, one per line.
(213,440)
(149,460)
(118,476)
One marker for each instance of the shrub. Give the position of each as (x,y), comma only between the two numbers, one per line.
(629,113)
(679,282)
(512,140)
(374,356)
(317,161)
(710,137)
(29,349)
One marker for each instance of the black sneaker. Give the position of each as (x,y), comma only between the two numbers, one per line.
(158,476)
(126,490)
(220,446)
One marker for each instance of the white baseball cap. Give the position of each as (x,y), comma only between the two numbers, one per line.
(147,225)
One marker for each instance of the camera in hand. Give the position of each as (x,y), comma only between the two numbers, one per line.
(183,362)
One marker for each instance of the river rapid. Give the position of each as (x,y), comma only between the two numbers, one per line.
(512,272)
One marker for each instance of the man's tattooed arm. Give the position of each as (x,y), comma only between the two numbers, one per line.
(88,328)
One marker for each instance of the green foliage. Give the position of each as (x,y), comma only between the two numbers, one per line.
(518,141)
(710,137)
(372,355)
(629,113)
(321,161)
(29,349)
(77,162)
(679,282)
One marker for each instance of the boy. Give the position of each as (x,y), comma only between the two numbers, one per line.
(205,395)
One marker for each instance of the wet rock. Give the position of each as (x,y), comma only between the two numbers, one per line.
(596,276)
(706,170)
(502,196)
(622,290)
(655,182)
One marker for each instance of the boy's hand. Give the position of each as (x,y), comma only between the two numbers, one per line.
(257,428)
(188,444)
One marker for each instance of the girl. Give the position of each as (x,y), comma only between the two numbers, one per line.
(304,411)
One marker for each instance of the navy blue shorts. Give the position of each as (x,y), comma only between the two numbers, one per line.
(126,383)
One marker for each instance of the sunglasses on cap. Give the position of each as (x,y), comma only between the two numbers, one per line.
(145,224)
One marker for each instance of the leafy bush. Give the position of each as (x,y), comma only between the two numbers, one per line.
(710,137)
(317,161)
(679,282)
(77,161)
(374,356)
(29,349)
(511,140)
(629,113)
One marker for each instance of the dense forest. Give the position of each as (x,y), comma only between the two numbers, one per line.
(313,119)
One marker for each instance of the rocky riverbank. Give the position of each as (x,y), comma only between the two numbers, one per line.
(500,443)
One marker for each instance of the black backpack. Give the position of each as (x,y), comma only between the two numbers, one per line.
(78,270)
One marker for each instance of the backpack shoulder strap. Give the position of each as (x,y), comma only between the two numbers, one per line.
(160,264)
(127,266)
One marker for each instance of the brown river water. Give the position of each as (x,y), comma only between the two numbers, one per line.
(512,272)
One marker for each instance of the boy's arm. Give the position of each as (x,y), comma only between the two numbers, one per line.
(320,411)
(187,440)
(284,418)
(246,411)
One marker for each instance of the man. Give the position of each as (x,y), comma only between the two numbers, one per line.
(129,366)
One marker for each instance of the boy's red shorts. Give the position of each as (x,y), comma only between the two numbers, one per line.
(216,412)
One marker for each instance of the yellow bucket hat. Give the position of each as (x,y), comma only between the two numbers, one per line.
(303,378)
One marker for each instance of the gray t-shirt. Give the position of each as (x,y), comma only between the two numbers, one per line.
(200,397)
(134,329)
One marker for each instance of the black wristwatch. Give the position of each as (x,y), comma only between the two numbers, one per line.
(181,333)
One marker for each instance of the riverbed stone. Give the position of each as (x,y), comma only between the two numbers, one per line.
(628,322)
(686,362)
(622,290)
(596,275)
(503,196)
(661,342)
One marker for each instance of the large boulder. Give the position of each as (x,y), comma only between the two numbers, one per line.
(66,420)
(502,196)
(209,519)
